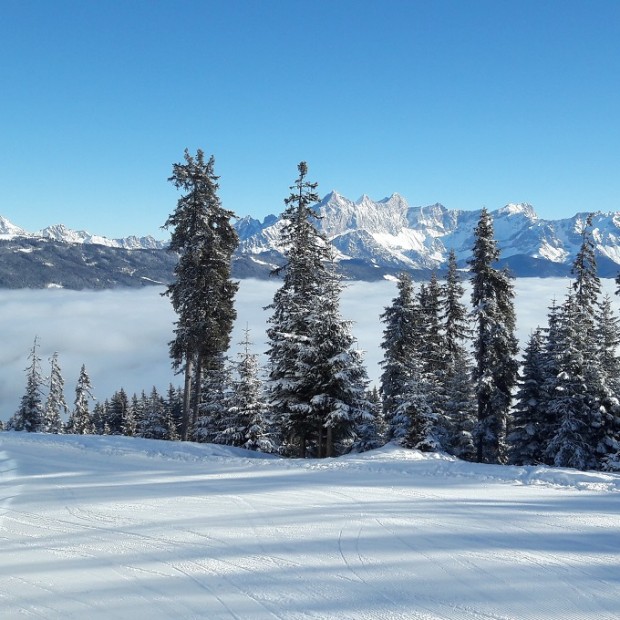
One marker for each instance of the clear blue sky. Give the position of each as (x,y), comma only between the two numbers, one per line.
(469,103)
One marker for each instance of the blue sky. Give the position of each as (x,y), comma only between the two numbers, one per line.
(468,103)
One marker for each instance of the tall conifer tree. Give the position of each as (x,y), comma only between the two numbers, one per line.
(55,405)
(398,344)
(495,344)
(316,381)
(80,422)
(203,293)
(30,417)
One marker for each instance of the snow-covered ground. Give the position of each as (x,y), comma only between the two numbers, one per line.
(112,527)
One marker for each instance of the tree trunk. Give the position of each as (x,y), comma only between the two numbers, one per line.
(197,390)
(186,398)
(329,442)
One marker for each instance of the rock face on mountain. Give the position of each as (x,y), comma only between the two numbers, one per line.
(372,240)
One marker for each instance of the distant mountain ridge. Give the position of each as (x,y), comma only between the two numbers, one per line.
(372,239)
(377,238)
(59,232)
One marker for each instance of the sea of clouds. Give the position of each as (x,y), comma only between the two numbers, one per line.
(122,336)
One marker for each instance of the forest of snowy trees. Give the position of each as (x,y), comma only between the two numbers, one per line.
(452,379)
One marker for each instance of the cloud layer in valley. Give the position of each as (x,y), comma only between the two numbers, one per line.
(122,335)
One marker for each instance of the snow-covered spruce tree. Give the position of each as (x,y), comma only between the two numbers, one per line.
(495,344)
(116,412)
(55,404)
(308,341)
(371,430)
(99,418)
(203,293)
(398,344)
(156,420)
(583,389)
(30,416)
(599,333)
(405,383)
(459,412)
(525,435)
(550,368)
(295,314)
(174,402)
(80,422)
(422,400)
(431,346)
(572,405)
(455,317)
(340,403)
(607,337)
(247,420)
(215,402)
(587,284)
(135,413)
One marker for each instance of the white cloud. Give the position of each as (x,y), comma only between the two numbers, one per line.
(122,335)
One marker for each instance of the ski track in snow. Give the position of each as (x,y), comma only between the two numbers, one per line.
(111,527)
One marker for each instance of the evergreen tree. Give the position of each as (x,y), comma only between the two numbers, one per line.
(424,431)
(587,284)
(215,403)
(550,369)
(338,373)
(117,411)
(370,430)
(458,408)
(80,422)
(99,418)
(135,414)
(607,336)
(495,344)
(572,407)
(203,293)
(296,313)
(156,420)
(398,344)
(525,437)
(316,378)
(247,421)
(455,317)
(174,402)
(411,366)
(55,405)
(30,417)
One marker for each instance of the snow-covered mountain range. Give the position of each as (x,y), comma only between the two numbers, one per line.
(372,239)
(375,238)
(59,232)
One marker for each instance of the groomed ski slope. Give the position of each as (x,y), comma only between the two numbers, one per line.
(113,527)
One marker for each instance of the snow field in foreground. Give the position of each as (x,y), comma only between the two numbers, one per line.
(112,527)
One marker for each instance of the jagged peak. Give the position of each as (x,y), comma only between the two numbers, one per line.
(521,208)
(364,198)
(333,196)
(394,198)
(8,228)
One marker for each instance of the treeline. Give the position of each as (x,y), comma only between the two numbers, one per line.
(451,377)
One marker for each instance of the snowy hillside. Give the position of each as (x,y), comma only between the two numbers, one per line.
(101,527)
